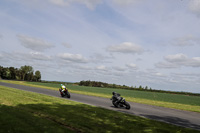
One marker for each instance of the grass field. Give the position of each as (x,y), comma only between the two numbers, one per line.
(183,102)
(22,111)
(182,99)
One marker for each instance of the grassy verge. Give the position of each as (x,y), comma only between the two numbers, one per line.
(182,102)
(22,111)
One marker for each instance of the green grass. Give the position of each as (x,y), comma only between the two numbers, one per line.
(182,102)
(22,111)
(182,99)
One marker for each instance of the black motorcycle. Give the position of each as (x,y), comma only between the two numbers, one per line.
(122,103)
(64,93)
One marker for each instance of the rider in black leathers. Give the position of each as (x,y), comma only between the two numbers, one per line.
(116,97)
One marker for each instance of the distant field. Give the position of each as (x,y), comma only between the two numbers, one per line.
(156,96)
(183,102)
(22,111)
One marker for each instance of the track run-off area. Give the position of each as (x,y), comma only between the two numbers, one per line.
(177,117)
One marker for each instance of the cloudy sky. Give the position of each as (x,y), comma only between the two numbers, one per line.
(152,43)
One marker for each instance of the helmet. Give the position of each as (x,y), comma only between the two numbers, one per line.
(62,86)
(113,93)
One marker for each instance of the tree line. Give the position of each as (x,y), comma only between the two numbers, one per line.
(106,85)
(140,88)
(25,73)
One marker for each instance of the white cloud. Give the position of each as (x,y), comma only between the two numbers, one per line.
(28,57)
(172,80)
(159,74)
(166,65)
(189,75)
(118,74)
(125,2)
(178,60)
(186,41)
(100,58)
(102,68)
(194,6)
(194,62)
(132,66)
(34,43)
(37,60)
(76,58)
(39,56)
(117,68)
(67,45)
(1,56)
(91,4)
(85,68)
(126,47)
(151,73)
(1,36)
(60,2)
(185,77)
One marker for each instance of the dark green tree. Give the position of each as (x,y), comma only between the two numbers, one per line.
(1,71)
(26,72)
(5,74)
(37,76)
(140,87)
(12,72)
(146,88)
(18,74)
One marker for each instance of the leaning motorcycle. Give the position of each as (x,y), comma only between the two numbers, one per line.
(122,103)
(64,93)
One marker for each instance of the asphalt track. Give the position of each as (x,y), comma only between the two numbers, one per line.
(172,116)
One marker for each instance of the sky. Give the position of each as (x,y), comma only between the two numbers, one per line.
(152,43)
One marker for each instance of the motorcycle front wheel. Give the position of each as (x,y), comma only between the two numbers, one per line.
(68,94)
(127,105)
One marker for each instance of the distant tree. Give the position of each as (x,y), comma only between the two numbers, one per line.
(30,76)
(23,71)
(26,71)
(1,70)
(140,87)
(12,72)
(105,85)
(5,73)
(87,83)
(114,85)
(146,88)
(18,74)
(81,83)
(37,76)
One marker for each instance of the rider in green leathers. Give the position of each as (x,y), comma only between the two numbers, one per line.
(62,87)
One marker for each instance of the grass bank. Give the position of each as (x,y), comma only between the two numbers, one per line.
(22,111)
(182,102)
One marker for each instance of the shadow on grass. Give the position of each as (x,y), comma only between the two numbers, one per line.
(174,120)
(75,118)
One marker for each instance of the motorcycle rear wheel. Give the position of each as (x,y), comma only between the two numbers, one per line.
(114,104)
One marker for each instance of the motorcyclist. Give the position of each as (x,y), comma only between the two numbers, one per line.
(62,87)
(117,98)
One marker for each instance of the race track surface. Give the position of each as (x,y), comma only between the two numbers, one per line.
(173,116)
